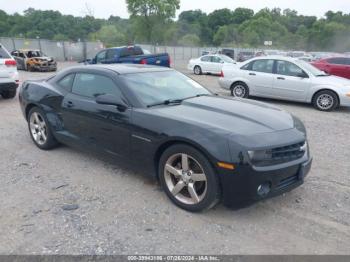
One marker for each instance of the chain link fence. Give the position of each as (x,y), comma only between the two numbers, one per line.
(60,50)
(78,51)
(180,55)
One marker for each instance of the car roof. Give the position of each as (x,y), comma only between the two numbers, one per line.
(276,57)
(126,68)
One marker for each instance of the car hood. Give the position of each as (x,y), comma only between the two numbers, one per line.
(331,80)
(234,116)
(44,58)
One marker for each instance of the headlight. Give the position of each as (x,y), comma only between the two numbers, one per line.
(260,155)
(299,125)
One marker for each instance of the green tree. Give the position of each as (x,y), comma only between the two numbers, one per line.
(190,40)
(149,14)
(109,35)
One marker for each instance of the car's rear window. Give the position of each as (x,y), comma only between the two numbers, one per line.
(4,53)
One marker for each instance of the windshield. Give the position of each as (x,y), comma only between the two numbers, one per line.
(310,68)
(156,87)
(31,54)
(227,59)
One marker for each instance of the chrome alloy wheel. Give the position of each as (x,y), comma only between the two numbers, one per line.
(239,91)
(325,101)
(38,128)
(185,179)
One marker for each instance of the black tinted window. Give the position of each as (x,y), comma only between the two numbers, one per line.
(92,85)
(288,69)
(66,82)
(337,60)
(130,51)
(110,54)
(100,56)
(263,65)
(4,53)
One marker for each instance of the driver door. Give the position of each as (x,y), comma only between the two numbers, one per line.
(289,83)
(103,127)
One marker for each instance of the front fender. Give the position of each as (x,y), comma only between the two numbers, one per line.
(314,89)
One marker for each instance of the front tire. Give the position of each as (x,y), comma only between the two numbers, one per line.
(188,179)
(240,89)
(325,101)
(8,94)
(197,70)
(40,130)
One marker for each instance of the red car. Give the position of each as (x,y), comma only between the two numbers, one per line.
(339,66)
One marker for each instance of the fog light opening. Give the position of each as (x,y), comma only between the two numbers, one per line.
(264,189)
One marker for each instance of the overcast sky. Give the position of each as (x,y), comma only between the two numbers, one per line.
(105,8)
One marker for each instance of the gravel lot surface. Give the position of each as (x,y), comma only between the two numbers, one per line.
(66,201)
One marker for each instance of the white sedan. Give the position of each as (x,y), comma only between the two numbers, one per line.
(209,64)
(287,79)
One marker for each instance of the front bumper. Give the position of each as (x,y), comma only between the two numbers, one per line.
(45,68)
(239,187)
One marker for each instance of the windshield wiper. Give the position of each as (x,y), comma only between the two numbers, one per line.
(323,75)
(166,102)
(175,101)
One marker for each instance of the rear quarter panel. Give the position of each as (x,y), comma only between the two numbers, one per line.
(44,96)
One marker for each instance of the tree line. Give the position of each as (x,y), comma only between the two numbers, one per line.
(153,22)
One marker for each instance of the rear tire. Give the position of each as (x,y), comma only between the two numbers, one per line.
(8,94)
(197,70)
(40,129)
(191,184)
(325,100)
(240,90)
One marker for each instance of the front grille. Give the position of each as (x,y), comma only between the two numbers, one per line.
(288,153)
(279,155)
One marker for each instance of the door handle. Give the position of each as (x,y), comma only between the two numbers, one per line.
(252,74)
(281,78)
(69,104)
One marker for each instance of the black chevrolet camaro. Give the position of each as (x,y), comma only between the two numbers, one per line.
(203,148)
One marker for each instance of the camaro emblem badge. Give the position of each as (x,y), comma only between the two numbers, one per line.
(303,147)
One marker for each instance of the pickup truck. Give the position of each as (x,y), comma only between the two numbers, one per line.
(130,55)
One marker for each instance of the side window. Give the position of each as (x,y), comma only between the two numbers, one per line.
(110,54)
(205,58)
(347,61)
(263,65)
(288,69)
(66,82)
(129,51)
(21,54)
(247,66)
(100,57)
(93,85)
(216,59)
(336,61)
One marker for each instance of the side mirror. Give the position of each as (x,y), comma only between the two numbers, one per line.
(112,100)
